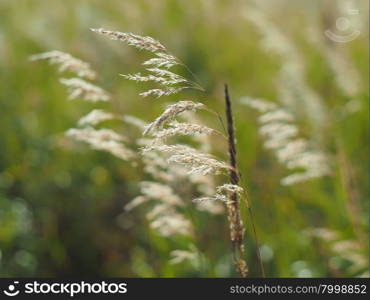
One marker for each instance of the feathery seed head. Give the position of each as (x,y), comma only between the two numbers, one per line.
(167,74)
(137,41)
(178,256)
(200,163)
(103,139)
(95,117)
(171,112)
(162,92)
(163,60)
(276,129)
(259,104)
(231,188)
(172,224)
(301,177)
(136,202)
(276,115)
(100,134)
(221,192)
(66,62)
(216,197)
(162,192)
(171,149)
(79,88)
(293,152)
(159,76)
(190,158)
(176,128)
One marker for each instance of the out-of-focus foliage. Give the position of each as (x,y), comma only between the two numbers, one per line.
(61,204)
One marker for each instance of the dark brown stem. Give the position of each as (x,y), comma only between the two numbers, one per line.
(233,208)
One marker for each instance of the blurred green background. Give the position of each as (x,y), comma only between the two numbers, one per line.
(61,204)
